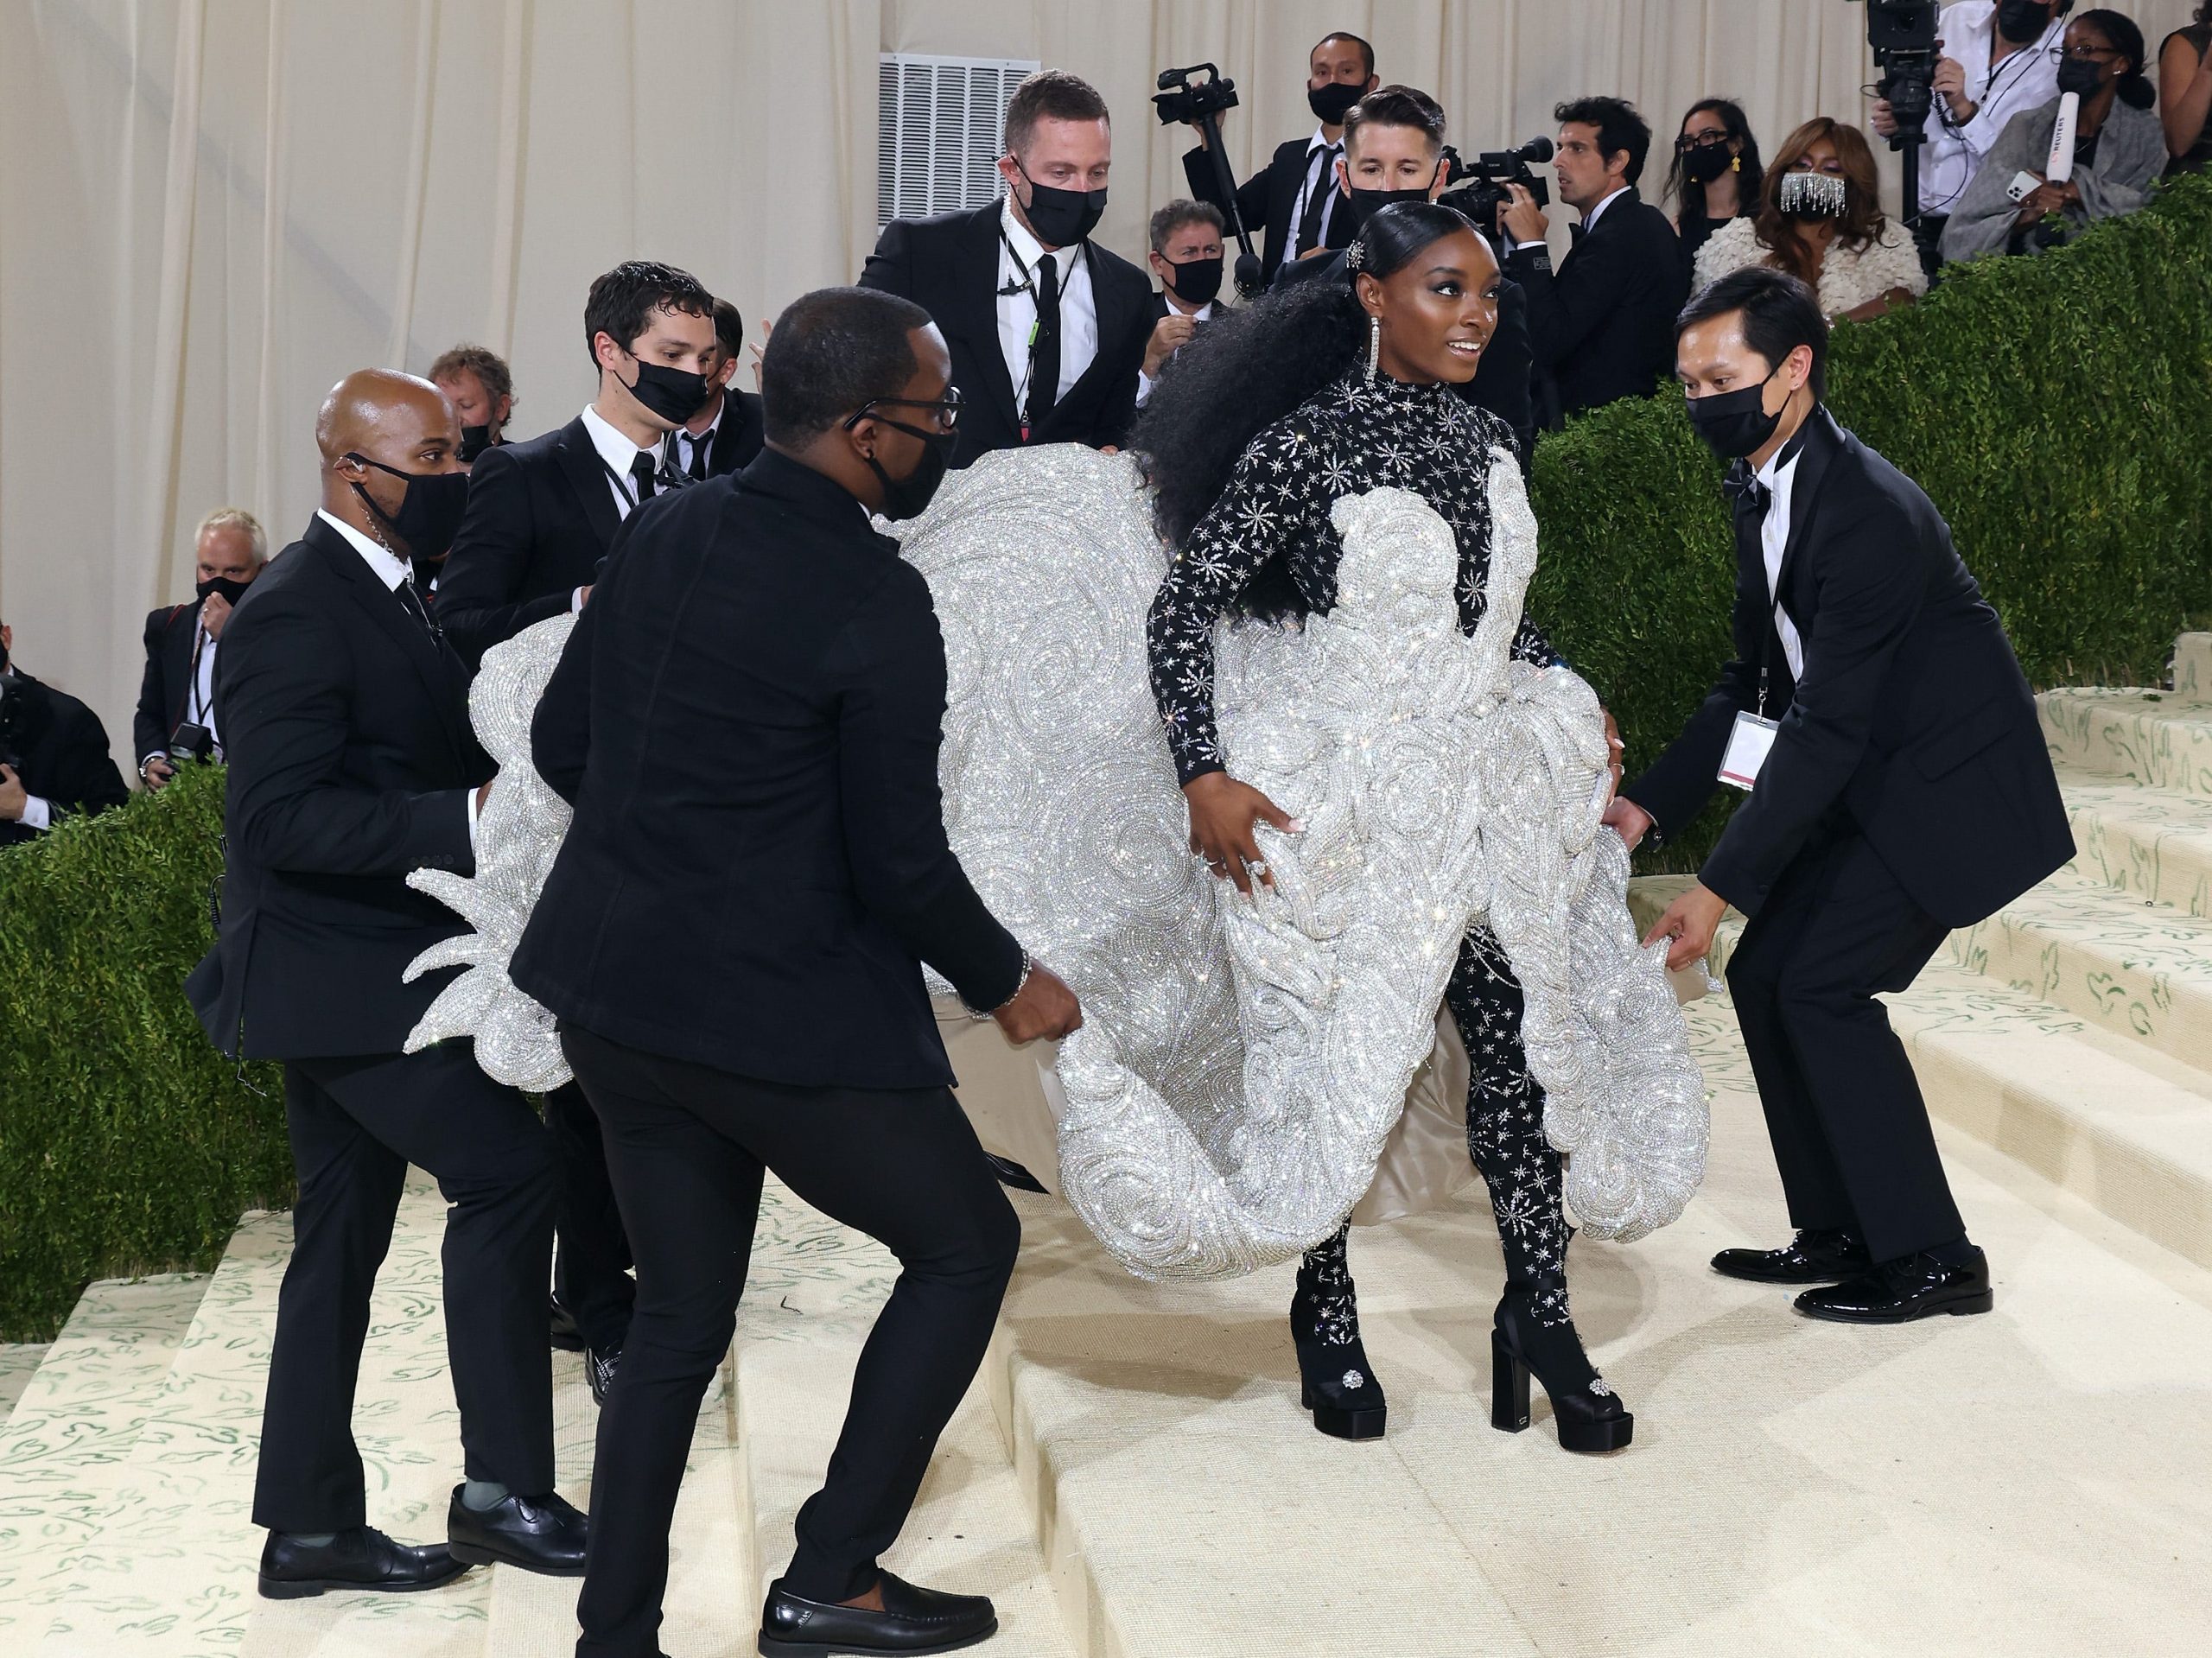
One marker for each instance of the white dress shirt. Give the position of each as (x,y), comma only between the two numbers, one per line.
(1320,175)
(199,698)
(1773,540)
(1203,314)
(1018,311)
(685,444)
(2024,80)
(619,453)
(392,570)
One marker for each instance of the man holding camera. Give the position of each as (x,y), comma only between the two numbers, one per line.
(177,696)
(1603,324)
(1187,256)
(53,755)
(1294,196)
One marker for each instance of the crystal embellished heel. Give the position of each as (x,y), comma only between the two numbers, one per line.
(1589,1415)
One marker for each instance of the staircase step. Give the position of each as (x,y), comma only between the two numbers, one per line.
(2147,842)
(812,1297)
(2138,970)
(2153,738)
(76,1416)
(2193,667)
(19,1361)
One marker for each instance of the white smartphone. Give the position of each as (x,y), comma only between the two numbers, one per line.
(2022,185)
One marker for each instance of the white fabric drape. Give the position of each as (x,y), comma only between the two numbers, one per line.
(211,209)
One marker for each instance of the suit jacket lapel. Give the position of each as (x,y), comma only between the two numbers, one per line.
(587,475)
(1823,442)
(433,659)
(974,310)
(1110,314)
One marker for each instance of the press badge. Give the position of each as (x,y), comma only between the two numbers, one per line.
(1747,750)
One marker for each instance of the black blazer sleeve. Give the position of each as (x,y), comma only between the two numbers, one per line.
(1674,788)
(1872,582)
(491,556)
(1567,306)
(1502,379)
(85,775)
(149,725)
(888,667)
(890,267)
(285,687)
(1251,195)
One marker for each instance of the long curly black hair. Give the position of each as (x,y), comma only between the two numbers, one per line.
(1250,366)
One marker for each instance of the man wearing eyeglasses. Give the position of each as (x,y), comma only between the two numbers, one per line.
(747,720)
(1996,62)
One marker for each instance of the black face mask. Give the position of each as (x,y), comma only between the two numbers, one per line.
(430,513)
(1062,217)
(674,394)
(1364,203)
(475,440)
(1706,163)
(909,497)
(1195,280)
(2081,77)
(1735,424)
(2021,22)
(232,591)
(1329,103)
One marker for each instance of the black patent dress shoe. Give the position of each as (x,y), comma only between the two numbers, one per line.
(1811,1257)
(565,1335)
(1897,1292)
(912,1621)
(363,1558)
(545,1534)
(598,1370)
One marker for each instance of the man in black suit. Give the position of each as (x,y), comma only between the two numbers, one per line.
(1293,201)
(1603,324)
(1906,791)
(543,513)
(747,720)
(178,688)
(53,755)
(351,765)
(1046,329)
(725,435)
(1187,256)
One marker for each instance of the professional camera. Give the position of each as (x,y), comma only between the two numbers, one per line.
(1491,171)
(1179,100)
(191,741)
(1902,34)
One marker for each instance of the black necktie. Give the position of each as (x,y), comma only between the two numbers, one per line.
(412,602)
(1574,235)
(698,466)
(641,474)
(1317,203)
(1043,346)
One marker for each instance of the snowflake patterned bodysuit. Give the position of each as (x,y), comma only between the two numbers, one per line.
(1353,436)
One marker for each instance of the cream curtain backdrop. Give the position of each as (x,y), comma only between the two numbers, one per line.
(211,209)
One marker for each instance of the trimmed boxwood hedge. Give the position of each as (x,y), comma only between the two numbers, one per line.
(2058,409)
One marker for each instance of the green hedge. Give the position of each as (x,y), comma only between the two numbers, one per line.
(127,1144)
(2057,410)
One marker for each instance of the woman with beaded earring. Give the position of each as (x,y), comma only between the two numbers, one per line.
(1260,425)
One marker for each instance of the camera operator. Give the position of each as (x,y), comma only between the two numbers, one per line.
(1187,256)
(1603,325)
(1996,61)
(53,754)
(177,696)
(1295,197)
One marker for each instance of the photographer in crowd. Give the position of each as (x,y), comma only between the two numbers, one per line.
(1186,257)
(1996,61)
(2118,150)
(53,754)
(1294,198)
(176,695)
(1603,324)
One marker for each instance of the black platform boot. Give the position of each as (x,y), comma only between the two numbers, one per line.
(1589,1414)
(1335,1381)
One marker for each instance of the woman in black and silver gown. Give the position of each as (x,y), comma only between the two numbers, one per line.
(1256,428)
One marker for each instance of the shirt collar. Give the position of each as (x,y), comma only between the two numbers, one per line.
(613,447)
(390,568)
(1590,219)
(1027,248)
(1320,141)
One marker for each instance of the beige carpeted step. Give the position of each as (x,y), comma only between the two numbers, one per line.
(2150,843)
(812,1297)
(2193,667)
(2158,739)
(2025,1483)
(77,1414)
(19,1362)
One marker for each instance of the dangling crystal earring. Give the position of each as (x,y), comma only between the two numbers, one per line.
(1374,345)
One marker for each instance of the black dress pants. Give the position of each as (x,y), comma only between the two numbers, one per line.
(686,1146)
(591,1268)
(1850,1130)
(355,1125)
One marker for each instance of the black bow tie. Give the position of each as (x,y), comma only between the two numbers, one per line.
(1745,490)
(1575,233)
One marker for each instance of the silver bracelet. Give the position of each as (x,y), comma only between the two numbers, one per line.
(1028,966)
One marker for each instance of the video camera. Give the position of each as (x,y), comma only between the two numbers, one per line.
(1491,171)
(1181,100)
(1902,35)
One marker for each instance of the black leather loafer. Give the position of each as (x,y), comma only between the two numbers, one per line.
(598,1370)
(362,1559)
(1897,1292)
(912,1622)
(1808,1258)
(545,1534)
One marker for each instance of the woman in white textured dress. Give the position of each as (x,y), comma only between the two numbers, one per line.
(1821,220)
